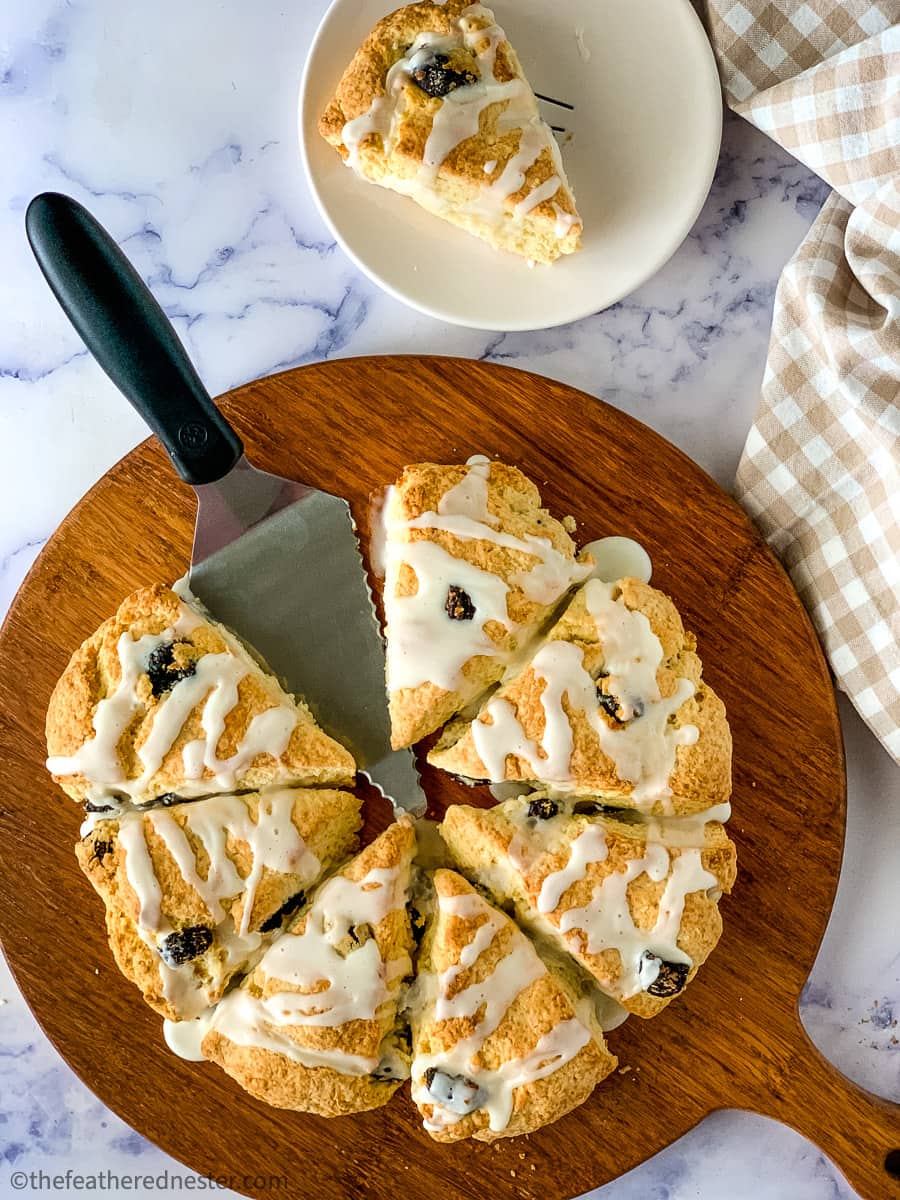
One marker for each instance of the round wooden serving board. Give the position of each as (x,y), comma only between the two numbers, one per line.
(733,1041)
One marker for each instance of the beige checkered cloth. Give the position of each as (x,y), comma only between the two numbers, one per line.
(820,473)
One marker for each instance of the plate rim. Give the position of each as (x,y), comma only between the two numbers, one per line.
(578,312)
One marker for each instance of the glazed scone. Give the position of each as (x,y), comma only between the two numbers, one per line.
(194,891)
(612,705)
(315,1026)
(473,567)
(500,1045)
(435,106)
(163,701)
(634,903)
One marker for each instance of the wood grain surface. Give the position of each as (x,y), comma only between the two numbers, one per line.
(733,1041)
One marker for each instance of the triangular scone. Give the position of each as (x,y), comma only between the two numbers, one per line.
(435,105)
(194,891)
(473,567)
(501,1045)
(611,705)
(635,904)
(162,700)
(315,1026)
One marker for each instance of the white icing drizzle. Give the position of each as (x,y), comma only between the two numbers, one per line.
(424,644)
(98,759)
(215,678)
(379,503)
(469,497)
(688,830)
(618,558)
(491,997)
(589,847)
(246,1021)
(185,990)
(607,923)
(533,837)
(274,844)
(537,196)
(182,589)
(140,874)
(457,118)
(543,583)
(642,750)
(357,981)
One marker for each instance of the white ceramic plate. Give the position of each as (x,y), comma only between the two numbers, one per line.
(646,128)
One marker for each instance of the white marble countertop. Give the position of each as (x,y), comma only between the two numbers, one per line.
(175,124)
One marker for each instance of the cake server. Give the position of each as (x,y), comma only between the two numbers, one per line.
(276,560)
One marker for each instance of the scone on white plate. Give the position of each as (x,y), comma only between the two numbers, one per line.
(635,904)
(193,892)
(612,704)
(502,1045)
(162,701)
(315,1026)
(435,105)
(474,565)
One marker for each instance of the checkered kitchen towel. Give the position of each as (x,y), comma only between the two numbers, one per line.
(820,473)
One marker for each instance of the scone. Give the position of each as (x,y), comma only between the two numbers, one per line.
(194,891)
(635,904)
(162,701)
(435,106)
(473,567)
(611,705)
(315,1026)
(501,1046)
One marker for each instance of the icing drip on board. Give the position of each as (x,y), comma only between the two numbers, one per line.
(294,968)
(215,680)
(457,118)
(425,644)
(642,748)
(491,998)
(618,558)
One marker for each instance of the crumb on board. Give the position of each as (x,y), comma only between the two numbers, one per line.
(624,1070)
(569,524)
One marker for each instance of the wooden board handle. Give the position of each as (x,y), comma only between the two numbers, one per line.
(858,1130)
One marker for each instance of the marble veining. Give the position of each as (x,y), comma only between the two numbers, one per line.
(178,131)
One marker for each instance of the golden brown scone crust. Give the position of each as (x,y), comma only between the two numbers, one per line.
(326,820)
(462,175)
(94,671)
(516,503)
(285,1083)
(701,776)
(537,1009)
(479,842)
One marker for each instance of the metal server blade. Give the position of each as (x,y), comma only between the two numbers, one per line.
(279,563)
